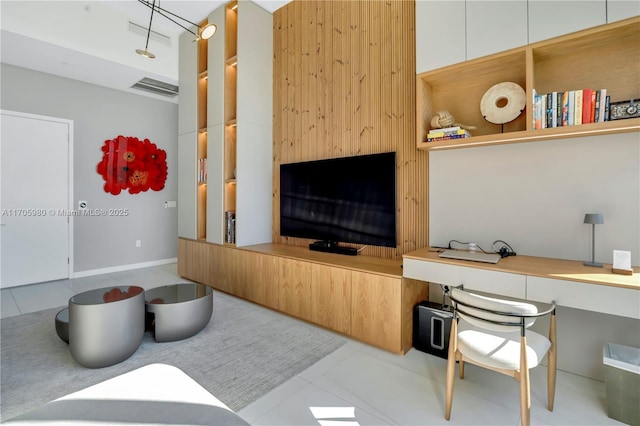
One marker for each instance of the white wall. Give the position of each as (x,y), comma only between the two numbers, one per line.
(534,196)
(99,114)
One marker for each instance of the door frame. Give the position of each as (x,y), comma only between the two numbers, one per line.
(70,199)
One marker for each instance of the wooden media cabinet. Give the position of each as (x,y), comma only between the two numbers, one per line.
(362,297)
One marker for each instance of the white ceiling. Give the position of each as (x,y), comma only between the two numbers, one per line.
(90,40)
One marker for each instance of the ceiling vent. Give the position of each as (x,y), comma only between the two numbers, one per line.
(157,87)
(139,29)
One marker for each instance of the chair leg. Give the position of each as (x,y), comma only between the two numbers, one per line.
(461,367)
(525,395)
(451,367)
(552,361)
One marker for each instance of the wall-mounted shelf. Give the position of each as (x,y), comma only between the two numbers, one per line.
(571,62)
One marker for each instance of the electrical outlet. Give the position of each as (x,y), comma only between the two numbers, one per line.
(138,243)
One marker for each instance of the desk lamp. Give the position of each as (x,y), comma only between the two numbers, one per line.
(594,219)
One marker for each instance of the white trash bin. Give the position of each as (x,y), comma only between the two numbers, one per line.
(622,377)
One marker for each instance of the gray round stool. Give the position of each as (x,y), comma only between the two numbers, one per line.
(62,324)
(106,325)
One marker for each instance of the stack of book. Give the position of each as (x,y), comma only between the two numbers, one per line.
(570,108)
(447,133)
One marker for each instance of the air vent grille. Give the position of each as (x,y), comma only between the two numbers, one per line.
(139,29)
(157,87)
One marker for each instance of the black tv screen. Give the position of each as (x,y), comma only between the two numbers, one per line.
(351,199)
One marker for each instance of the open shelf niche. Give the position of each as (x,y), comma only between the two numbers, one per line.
(201,149)
(603,57)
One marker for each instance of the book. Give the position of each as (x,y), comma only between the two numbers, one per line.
(553,107)
(596,108)
(537,110)
(602,117)
(543,109)
(433,134)
(558,109)
(565,108)
(592,113)
(572,107)
(446,137)
(607,111)
(586,106)
(577,111)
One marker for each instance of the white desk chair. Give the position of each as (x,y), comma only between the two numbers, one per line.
(492,333)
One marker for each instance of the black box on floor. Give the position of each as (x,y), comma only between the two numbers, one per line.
(431,328)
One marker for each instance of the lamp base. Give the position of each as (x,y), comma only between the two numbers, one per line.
(595,264)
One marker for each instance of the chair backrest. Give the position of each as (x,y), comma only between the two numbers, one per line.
(492,314)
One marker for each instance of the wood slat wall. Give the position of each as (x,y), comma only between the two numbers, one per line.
(344,84)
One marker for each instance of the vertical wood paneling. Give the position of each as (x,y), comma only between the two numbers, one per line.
(344,84)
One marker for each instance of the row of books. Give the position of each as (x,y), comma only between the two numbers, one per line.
(202,170)
(230,227)
(570,108)
(455,132)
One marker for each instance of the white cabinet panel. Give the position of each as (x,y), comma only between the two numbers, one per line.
(188,84)
(551,18)
(186,185)
(503,283)
(591,297)
(254,194)
(215,70)
(494,26)
(440,33)
(622,9)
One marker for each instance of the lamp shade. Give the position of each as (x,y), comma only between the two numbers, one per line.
(593,218)
(208,31)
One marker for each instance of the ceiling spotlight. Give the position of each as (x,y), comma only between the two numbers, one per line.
(204,33)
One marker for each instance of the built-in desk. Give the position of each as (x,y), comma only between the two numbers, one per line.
(569,283)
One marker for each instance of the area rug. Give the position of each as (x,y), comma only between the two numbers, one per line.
(244,352)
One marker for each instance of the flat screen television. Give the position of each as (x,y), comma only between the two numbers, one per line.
(350,199)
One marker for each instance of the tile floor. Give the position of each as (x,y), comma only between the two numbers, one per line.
(361,385)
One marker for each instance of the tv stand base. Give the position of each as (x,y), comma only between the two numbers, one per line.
(331,247)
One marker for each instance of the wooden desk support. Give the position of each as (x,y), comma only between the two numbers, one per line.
(568,282)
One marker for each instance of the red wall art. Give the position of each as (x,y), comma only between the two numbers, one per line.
(129,163)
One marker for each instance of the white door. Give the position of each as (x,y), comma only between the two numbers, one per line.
(34,199)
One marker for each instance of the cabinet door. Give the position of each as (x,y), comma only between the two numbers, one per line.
(551,18)
(440,33)
(376,310)
(502,283)
(494,26)
(188,80)
(261,272)
(294,287)
(622,9)
(331,297)
(187,204)
(624,302)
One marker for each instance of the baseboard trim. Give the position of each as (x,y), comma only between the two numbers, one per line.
(120,268)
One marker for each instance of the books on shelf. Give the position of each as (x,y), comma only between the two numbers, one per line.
(202,170)
(447,133)
(570,108)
